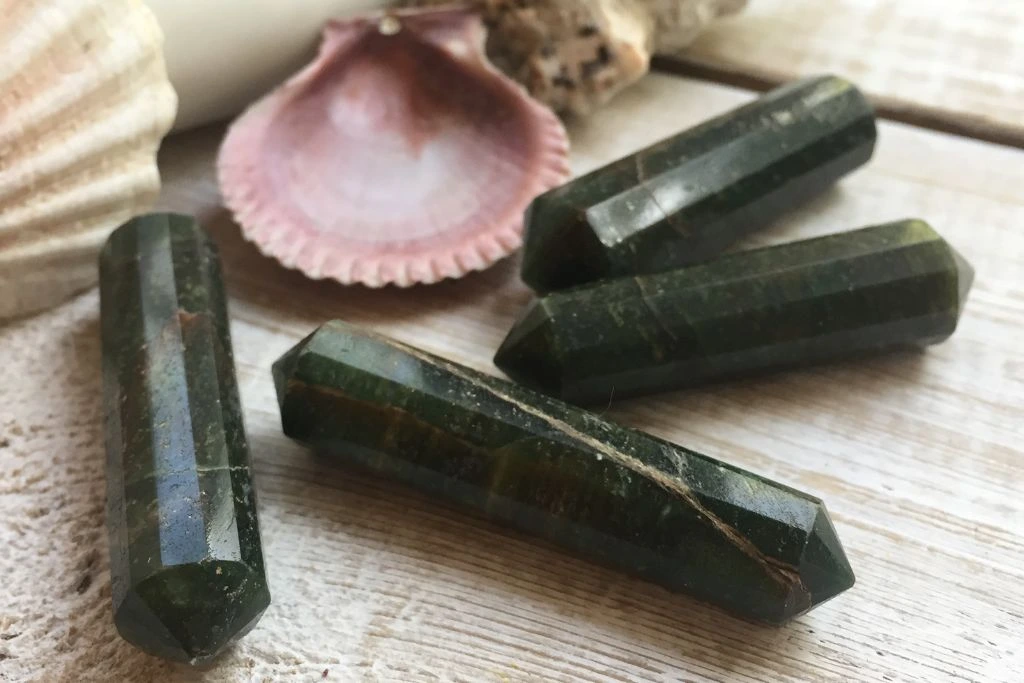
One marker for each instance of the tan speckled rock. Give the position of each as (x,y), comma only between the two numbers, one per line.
(574,55)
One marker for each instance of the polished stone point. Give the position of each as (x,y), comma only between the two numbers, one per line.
(794,304)
(186,560)
(687,198)
(611,494)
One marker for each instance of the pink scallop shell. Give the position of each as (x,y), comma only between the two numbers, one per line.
(394,157)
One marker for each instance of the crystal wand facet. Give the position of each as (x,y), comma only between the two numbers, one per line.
(186,559)
(867,290)
(611,494)
(686,198)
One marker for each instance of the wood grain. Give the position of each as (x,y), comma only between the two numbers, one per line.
(956,66)
(918,456)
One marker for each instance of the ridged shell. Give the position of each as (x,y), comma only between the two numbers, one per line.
(399,156)
(84,103)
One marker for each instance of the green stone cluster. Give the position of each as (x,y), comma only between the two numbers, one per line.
(635,299)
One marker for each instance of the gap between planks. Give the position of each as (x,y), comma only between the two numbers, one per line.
(889,108)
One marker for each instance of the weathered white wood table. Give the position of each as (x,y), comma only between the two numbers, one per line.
(920,457)
(956,65)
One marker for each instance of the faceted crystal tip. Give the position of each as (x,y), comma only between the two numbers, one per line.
(824,570)
(527,354)
(284,367)
(965,278)
(192,612)
(560,248)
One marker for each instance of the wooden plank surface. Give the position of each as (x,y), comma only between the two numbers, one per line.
(918,456)
(954,65)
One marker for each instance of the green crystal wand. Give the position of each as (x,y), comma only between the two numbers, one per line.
(685,199)
(614,495)
(864,291)
(186,564)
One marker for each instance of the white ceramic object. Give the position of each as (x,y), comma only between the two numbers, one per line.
(224,54)
(84,103)
(398,156)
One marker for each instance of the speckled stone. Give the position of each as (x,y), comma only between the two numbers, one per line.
(793,304)
(611,494)
(186,559)
(688,197)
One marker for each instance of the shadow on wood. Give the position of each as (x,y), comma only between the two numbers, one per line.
(457,568)
(262,281)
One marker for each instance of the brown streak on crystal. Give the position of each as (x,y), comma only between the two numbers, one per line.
(784,574)
(392,412)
